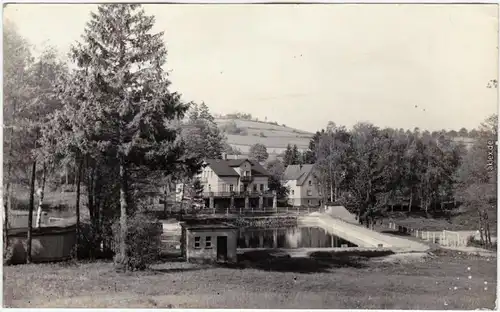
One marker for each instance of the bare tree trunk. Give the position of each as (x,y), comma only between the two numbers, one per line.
(426,207)
(76,177)
(411,201)
(97,208)
(165,201)
(487,229)
(42,192)
(182,198)
(8,205)
(77,204)
(30,212)
(8,189)
(331,192)
(66,173)
(123,210)
(481,227)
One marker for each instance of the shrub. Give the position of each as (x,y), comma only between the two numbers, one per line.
(68,188)
(143,244)
(473,242)
(232,128)
(8,252)
(15,253)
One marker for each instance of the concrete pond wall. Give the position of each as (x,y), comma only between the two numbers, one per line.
(48,243)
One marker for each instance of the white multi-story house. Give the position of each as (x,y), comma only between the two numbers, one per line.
(237,178)
(303,185)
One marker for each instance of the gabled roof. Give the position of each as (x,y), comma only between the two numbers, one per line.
(297,172)
(236,162)
(224,168)
(257,169)
(221,168)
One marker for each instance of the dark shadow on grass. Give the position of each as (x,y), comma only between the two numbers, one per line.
(176,270)
(357,254)
(315,262)
(171,257)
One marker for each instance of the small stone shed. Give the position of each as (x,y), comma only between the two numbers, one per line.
(209,243)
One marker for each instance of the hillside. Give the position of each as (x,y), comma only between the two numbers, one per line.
(275,137)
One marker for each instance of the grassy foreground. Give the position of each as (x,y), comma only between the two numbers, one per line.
(417,284)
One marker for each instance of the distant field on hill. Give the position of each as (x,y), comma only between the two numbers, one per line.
(274,137)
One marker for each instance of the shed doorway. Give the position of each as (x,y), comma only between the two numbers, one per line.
(222,248)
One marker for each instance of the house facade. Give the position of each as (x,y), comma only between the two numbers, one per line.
(235,182)
(303,185)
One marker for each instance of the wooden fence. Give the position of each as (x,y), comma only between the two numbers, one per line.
(443,238)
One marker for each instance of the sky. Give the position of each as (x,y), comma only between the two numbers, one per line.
(394,65)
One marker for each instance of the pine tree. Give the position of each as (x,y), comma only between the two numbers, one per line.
(124,89)
(296,157)
(288,157)
(202,135)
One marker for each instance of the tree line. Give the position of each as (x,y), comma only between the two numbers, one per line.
(371,170)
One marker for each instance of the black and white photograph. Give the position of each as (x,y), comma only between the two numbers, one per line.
(250,155)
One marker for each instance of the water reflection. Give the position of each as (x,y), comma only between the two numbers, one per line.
(289,238)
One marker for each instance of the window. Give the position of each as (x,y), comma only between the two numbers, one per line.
(309,192)
(255,187)
(208,242)
(293,192)
(310,182)
(231,187)
(262,187)
(197,242)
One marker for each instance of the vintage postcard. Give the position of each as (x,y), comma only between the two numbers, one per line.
(250,156)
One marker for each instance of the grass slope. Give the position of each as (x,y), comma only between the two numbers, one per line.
(419,284)
(275,137)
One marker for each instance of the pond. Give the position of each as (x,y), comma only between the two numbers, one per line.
(290,238)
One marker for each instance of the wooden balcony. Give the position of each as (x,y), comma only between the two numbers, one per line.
(238,194)
(246,179)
